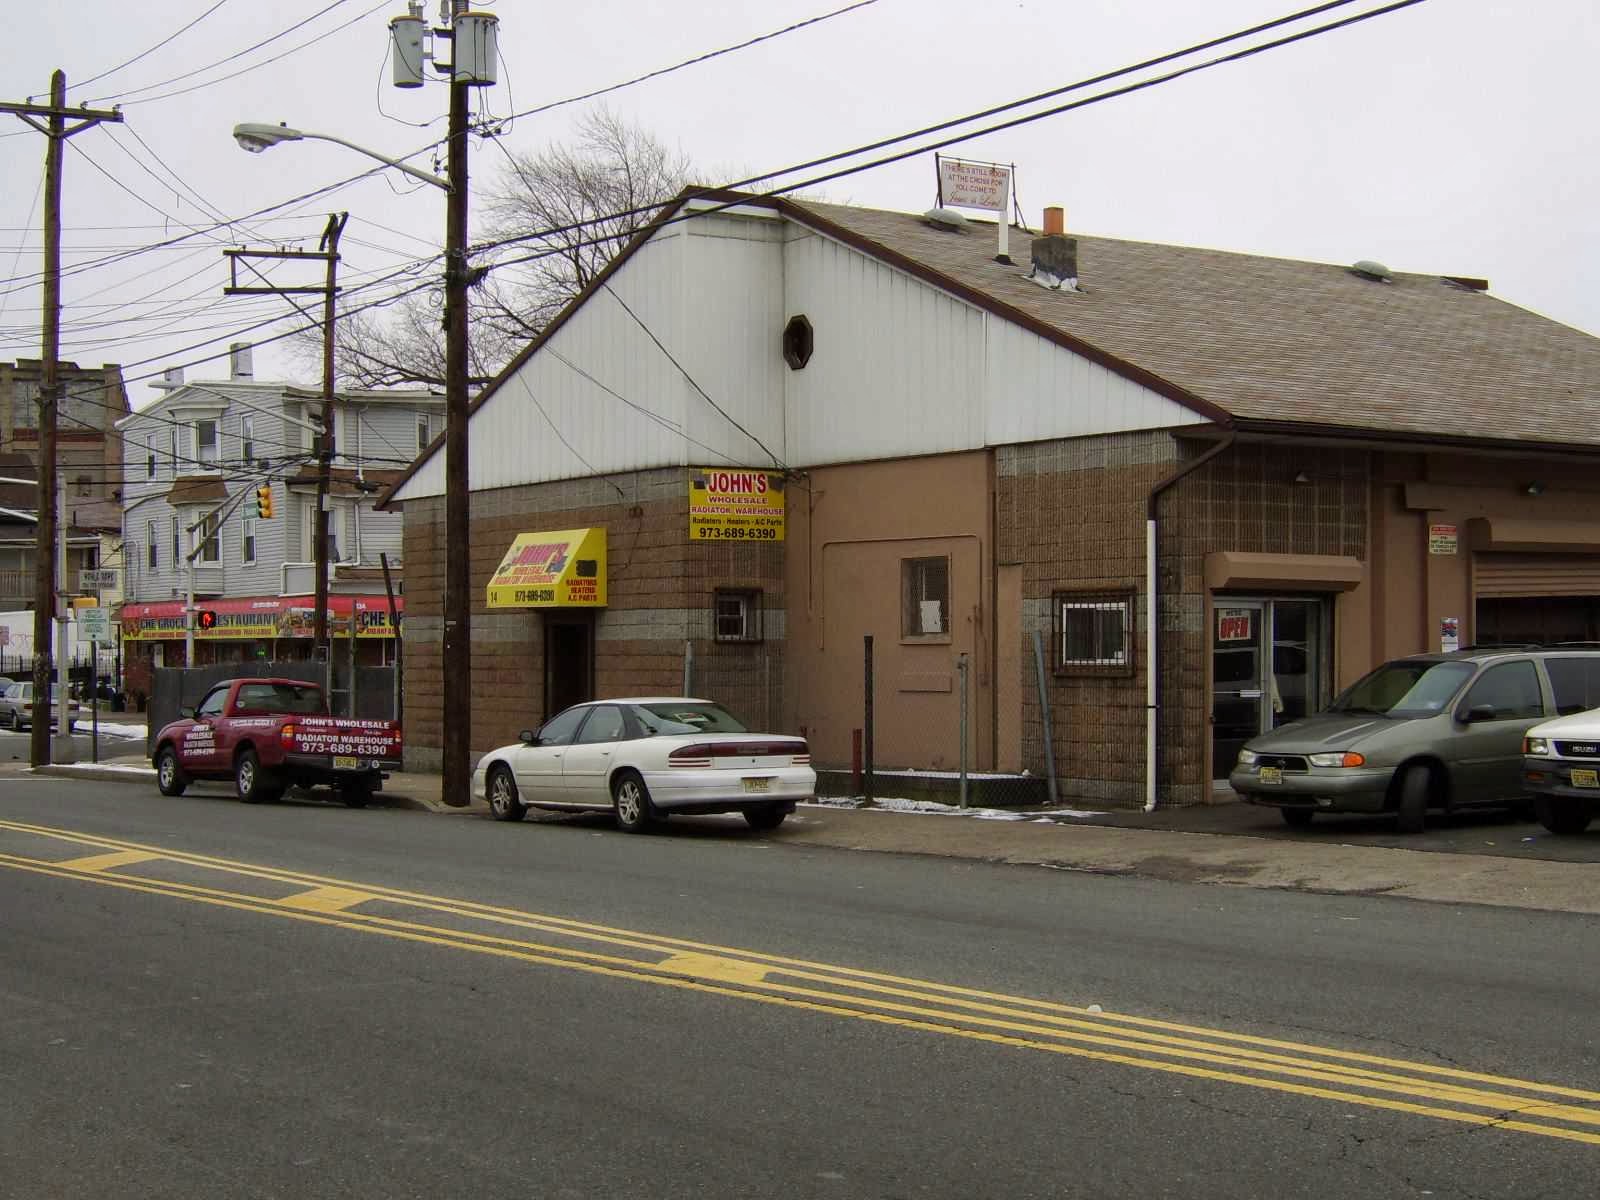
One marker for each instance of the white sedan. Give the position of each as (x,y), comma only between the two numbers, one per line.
(643,758)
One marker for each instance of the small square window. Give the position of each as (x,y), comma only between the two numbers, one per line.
(925,594)
(1094,633)
(737,615)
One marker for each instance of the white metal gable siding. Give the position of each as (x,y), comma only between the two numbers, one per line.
(1036,391)
(548,421)
(733,298)
(897,368)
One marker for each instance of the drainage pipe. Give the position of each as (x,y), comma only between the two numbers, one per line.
(1152,623)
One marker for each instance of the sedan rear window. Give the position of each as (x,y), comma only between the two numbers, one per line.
(670,718)
(1406,688)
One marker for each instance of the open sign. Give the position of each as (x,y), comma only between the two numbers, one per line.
(1233,624)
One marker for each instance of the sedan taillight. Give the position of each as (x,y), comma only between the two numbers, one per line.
(698,755)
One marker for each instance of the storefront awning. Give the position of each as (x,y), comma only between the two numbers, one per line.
(261,617)
(563,568)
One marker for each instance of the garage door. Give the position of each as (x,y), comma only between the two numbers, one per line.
(1536,575)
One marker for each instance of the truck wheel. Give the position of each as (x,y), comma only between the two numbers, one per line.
(355,793)
(169,775)
(1412,811)
(631,800)
(1562,816)
(504,802)
(251,780)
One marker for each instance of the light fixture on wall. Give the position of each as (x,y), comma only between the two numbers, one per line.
(1301,477)
(1536,488)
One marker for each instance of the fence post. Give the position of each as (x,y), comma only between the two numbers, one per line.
(963,667)
(1044,716)
(866,724)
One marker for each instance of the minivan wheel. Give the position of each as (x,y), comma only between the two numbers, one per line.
(1297,818)
(1562,816)
(1412,812)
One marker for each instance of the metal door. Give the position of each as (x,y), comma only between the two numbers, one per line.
(1238,696)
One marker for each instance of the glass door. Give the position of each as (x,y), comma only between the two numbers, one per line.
(1294,682)
(1237,693)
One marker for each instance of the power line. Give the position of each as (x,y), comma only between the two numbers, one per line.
(282,33)
(146,53)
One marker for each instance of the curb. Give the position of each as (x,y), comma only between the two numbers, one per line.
(106,772)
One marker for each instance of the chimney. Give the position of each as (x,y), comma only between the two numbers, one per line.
(239,361)
(1055,256)
(171,378)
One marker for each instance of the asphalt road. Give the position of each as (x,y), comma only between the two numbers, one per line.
(201,998)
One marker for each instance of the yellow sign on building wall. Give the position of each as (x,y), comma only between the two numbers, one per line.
(563,568)
(730,504)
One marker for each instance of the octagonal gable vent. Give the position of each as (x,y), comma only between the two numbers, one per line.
(798,342)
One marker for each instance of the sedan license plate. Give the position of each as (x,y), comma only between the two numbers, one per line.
(346,762)
(1585,778)
(758,783)
(1271,774)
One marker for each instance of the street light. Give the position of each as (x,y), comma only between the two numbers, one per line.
(473,36)
(257,138)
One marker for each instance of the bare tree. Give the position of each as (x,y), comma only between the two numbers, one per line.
(611,167)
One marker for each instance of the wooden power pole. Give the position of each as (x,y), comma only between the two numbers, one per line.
(47,588)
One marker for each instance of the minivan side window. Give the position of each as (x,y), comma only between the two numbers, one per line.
(1511,689)
(1575,683)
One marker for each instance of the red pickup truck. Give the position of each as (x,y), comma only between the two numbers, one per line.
(271,734)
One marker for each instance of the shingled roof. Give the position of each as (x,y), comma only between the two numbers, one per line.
(1276,340)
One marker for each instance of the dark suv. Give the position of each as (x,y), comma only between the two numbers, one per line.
(1433,731)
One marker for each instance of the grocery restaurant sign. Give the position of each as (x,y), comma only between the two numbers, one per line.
(563,568)
(727,504)
(261,618)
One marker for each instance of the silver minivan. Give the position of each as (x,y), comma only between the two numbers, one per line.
(1433,731)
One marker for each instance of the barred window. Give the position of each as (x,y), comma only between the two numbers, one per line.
(1094,632)
(737,615)
(925,595)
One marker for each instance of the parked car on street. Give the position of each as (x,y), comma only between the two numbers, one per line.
(644,758)
(1561,771)
(271,734)
(16,707)
(1433,731)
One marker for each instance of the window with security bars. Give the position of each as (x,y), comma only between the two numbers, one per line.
(1094,632)
(925,596)
(737,615)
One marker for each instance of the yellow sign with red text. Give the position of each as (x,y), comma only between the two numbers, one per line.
(564,568)
(729,504)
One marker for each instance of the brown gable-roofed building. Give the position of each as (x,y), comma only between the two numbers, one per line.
(1302,469)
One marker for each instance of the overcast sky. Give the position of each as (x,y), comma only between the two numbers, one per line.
(1456,136)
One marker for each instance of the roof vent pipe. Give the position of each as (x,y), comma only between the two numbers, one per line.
(1055,221)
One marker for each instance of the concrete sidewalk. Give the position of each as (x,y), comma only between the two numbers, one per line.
(1152,853)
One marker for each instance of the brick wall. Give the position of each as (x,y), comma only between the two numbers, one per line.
(659,594)
(1071,514)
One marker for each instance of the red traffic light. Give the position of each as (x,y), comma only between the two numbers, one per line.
(206,618)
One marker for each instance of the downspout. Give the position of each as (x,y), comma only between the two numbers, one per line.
(1152,660)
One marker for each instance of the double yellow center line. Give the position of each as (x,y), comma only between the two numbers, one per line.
(1327,1073)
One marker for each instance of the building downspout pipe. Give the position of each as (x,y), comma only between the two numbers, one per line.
(1152,641)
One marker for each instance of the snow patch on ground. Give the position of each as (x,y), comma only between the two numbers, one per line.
(99,768)
(899,804)
(113,729)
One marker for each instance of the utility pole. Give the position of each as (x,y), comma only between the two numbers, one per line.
(457,643)
(328,252)
(48,587)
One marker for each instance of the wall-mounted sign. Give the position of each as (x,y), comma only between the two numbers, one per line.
(563,568)
(93,581)
(965,184)
(729,504)
(1443,539)
(262,618)
(1449,634)
(1233,624)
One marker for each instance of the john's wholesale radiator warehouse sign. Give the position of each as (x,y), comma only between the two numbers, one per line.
(735,505)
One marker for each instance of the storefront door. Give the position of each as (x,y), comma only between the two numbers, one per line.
(1269,666)
(568,660)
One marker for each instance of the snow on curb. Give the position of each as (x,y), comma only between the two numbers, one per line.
(897,804)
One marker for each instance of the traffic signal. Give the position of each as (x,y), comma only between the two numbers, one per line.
(264,500)
(206,618)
